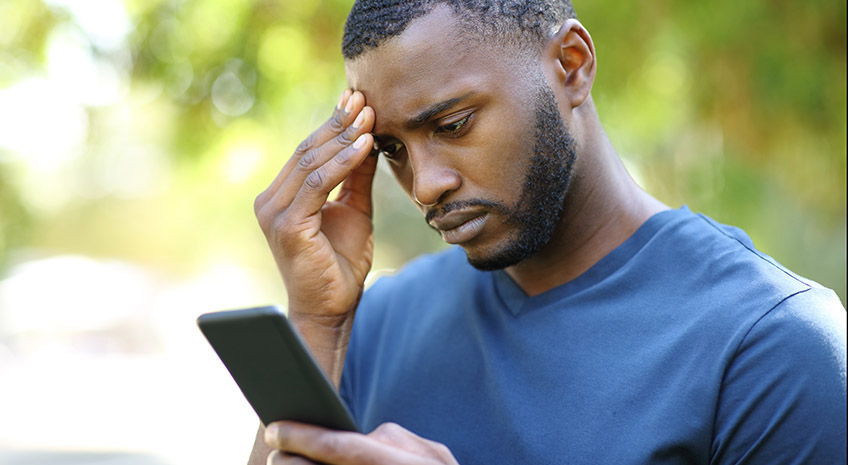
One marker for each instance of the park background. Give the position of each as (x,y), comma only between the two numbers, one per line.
(135,134)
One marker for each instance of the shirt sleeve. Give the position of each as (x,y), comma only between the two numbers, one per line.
(783,397)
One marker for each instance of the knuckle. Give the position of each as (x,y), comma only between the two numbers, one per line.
(337,122)
(307,160)
(335,445)
(260,202)
(315,180)
(267,216)
(305,145)
(388,432)
(346,137)
(285,238)
(344,157)
(387,428)
(442,450)
(265,221)
(332,446)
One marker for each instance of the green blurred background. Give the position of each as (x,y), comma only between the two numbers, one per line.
(143,129)
(138,132)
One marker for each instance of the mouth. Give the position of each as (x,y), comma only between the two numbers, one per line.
(457,227)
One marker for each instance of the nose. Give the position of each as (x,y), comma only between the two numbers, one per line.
(432,179)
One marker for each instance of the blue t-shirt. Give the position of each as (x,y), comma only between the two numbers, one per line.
(683,345)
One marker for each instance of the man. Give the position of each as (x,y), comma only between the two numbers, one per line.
(578,320)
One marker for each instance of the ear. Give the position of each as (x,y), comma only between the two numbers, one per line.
(572,54)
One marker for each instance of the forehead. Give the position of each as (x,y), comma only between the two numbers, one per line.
(433,60)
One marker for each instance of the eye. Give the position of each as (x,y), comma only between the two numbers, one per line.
(390,150)
(454,129)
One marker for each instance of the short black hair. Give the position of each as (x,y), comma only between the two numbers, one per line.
(521,22)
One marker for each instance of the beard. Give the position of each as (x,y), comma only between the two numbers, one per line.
(546,180)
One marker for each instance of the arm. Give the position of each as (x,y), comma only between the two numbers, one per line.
(323,249)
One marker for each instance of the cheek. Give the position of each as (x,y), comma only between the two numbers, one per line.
(403,175)
(511,174)
(509,150)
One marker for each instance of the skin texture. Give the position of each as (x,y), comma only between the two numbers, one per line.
(536,213)
(324,249)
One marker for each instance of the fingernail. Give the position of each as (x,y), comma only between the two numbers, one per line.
(349,105)
(357,123)
(360,141)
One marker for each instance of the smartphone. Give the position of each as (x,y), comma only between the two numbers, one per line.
(273,368)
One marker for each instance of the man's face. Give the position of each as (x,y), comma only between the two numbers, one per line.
(472,134)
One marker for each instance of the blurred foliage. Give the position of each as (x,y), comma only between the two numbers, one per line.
(143,129)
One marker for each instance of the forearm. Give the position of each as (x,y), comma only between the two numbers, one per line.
(323,248)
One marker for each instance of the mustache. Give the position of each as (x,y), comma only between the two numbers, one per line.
(460,204)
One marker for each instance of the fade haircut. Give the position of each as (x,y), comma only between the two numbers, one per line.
(525,23)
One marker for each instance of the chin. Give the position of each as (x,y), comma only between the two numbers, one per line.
(498,258)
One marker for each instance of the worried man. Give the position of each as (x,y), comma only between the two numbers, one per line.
(578,319)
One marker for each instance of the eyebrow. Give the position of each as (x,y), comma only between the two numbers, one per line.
(422,118)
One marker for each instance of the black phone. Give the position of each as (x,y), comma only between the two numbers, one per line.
(273,368)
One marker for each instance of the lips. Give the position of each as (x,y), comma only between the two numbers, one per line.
(459,226)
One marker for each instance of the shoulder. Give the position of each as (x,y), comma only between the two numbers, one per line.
(783,396)
(708,279)
(781,342)
(783,312)
(719,264)
(809,327)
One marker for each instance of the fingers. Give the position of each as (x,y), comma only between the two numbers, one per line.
(318,183)
(339,131)
(335,447)
(312,442)
(281,458)
(400,437)
(343,115)
(309,161)
(356,188)
(323,161)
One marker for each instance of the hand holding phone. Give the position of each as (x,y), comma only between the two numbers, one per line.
(273,368)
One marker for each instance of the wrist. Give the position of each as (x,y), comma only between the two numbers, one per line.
(323,332)
(327,337)
(328,322)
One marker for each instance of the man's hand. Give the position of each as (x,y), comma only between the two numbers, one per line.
(298,443)
(324,249)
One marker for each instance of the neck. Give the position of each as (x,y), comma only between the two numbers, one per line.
(603,208)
